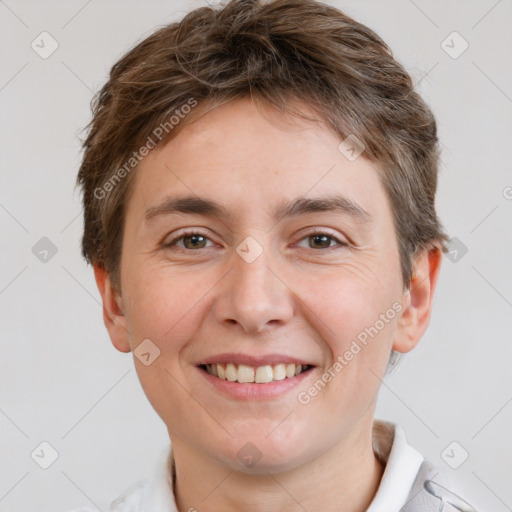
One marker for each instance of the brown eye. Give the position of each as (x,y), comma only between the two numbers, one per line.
(319,241)
(189,241)
(194,241)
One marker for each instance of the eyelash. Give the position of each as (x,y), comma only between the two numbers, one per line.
(185,234)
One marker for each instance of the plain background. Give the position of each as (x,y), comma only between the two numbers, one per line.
(62,382)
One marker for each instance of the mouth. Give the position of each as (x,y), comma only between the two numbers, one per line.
(245,374)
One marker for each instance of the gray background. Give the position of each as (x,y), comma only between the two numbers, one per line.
(62,382)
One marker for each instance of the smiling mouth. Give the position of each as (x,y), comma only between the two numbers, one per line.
(261,375)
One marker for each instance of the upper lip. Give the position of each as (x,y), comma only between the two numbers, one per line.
(254,361)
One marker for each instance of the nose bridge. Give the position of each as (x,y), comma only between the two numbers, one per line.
(254,297)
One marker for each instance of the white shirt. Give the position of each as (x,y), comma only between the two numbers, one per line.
(401,461)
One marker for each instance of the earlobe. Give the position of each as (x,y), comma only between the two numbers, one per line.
(418,299)
(113,311)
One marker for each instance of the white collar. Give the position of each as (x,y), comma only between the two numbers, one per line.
(402,463)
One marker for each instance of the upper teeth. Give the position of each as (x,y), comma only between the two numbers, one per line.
(259,375)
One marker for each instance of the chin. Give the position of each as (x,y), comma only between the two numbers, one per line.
(257,455)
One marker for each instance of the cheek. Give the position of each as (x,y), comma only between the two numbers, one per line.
(347,302)
(164,307)
(356,322)
(356,317)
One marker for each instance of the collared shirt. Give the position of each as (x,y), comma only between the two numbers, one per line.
(405,470)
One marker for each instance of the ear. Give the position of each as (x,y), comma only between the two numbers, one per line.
(113,315)
(417,300)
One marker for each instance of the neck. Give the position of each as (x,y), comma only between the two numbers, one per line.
(348,474)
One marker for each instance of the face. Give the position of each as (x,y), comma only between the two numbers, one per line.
(252,246)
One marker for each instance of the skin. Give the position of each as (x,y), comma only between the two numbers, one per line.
(297,298)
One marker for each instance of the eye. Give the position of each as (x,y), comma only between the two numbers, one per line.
(189,241)
(321,240)
(192,240)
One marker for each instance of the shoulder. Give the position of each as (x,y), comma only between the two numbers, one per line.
(432,490)
(410,483)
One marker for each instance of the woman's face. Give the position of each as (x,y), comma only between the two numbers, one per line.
(271,275)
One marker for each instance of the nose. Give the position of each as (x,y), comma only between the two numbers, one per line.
(253,296)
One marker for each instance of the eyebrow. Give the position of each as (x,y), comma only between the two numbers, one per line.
(296,207)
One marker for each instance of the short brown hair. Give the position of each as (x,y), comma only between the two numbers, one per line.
(277,51)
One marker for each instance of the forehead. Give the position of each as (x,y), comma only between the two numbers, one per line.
(247,155)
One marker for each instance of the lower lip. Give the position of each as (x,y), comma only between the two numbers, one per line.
(254,391)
